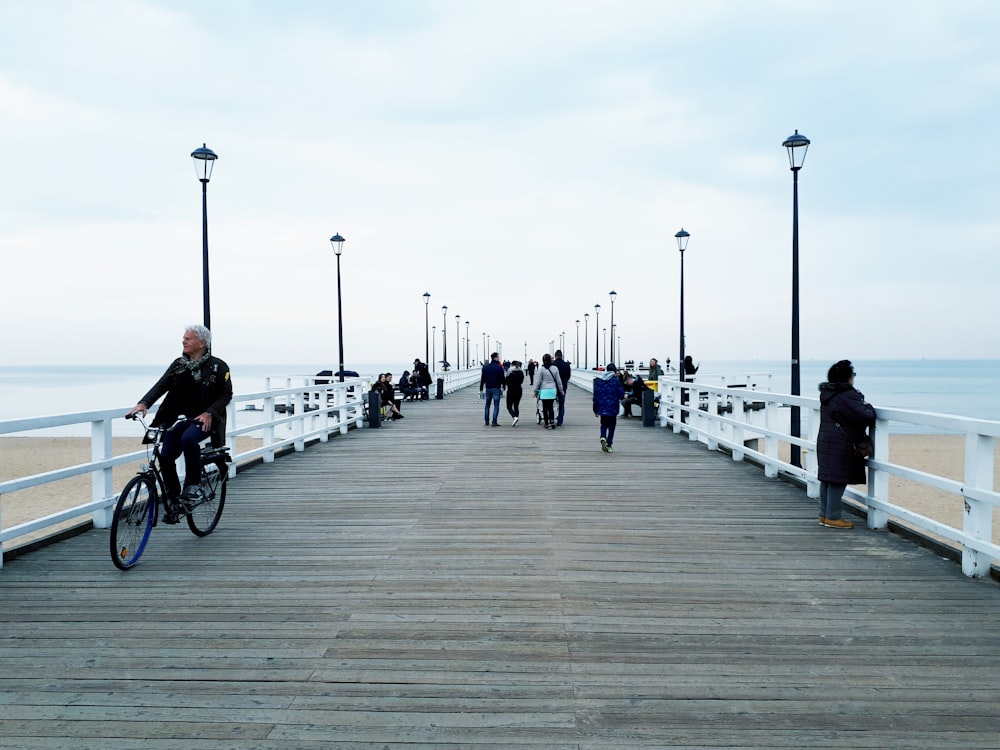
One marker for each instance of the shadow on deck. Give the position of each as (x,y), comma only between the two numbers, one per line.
(440,584)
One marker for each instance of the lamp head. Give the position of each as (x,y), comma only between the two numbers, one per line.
(682,240)
(613,295)
(204,159)
(338,244)
(797,145)
(427,298)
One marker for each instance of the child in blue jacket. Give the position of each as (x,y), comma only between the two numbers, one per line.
(608,393)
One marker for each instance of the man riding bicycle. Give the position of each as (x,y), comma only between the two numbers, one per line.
(197,385)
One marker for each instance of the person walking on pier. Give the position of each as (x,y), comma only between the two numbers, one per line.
(844,419)
(492,380)
(531,372)
(608,393)
(548,387)
(198,385)
(515,384)
(565,373)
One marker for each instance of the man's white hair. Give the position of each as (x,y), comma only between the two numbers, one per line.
(203,333)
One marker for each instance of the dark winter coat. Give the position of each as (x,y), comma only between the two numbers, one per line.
(211,392)
(841,404)
(565,371)
(492,376)
(608,393)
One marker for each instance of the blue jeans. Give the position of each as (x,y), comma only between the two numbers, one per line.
(830,496)
(608,425)
(562,407)
(492,395)
(186,441)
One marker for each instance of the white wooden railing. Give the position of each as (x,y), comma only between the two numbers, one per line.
(283,418)
(753,425)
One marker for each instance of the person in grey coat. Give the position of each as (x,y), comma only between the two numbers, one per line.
(845,417)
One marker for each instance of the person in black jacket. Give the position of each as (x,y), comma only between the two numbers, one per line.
(565,373)
(844,418)
(515,389)
(197,385)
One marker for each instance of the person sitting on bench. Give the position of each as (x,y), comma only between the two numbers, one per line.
(637,386)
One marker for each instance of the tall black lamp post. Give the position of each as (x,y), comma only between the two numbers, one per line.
(458,342)
(204,159)
(586,339)
(797,146)
(427,330)
(597,336)
(682,243)
(444,337)
(338,245)
(613,295)
(434,346)
(466,344)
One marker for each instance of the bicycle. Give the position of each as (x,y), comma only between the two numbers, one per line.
(138,505)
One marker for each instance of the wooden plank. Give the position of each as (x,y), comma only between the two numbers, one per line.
(438,584)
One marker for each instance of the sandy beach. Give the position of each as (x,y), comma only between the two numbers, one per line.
(24,456)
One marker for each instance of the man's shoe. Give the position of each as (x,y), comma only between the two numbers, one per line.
(514,423)
(837,523)
(604,445)
(610,449)
(822,520)
(191,496)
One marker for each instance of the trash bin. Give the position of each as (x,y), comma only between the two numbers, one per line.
(648,409)
(374,409)
(440,389)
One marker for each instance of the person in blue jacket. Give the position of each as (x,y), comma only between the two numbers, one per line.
(608,393)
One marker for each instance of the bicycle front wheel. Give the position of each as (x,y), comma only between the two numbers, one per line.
(133,521)
(204,517)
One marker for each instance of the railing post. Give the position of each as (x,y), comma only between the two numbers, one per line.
(811,462)
(739,415)
(101,482)
(878,481)
(268,432)
(770,440)
(977,521)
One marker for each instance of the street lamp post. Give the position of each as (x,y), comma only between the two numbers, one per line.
(597,340)
(605,331)
(613,295)
(204,160)
(444,337)
(427,335)
(586,338)
(338,245)
(466,345)
(797,146)
(434,343)
(485,350)
(458,343)
(682,243)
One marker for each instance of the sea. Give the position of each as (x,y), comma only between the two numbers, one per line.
(968,388)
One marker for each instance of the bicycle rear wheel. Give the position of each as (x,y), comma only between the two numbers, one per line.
(204,517)
(133,521)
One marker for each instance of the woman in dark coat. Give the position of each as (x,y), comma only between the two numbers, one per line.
(845,417)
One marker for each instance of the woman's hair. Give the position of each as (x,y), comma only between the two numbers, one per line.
(203,333)
(546,360)
(840,372)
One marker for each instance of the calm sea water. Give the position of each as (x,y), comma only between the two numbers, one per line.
(964,387)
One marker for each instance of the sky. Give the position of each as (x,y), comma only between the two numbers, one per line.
(516,160)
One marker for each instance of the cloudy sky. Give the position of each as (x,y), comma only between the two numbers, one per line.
(516,160)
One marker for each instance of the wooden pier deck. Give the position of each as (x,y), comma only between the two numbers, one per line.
(438,584)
